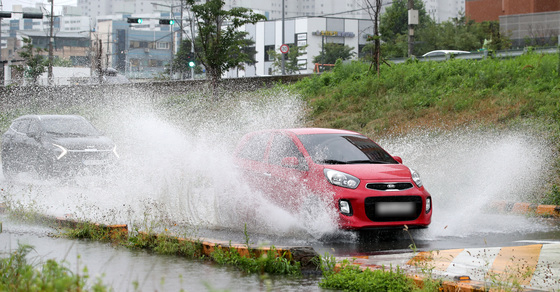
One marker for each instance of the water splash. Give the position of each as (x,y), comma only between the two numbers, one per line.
(176,169)
(467,170)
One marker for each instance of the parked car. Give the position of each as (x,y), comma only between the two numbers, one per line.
(54,145)
(368,187)
(441,53)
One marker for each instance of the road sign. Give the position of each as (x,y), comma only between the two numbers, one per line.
(284,49)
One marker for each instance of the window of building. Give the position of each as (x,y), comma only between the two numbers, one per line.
(162,45)
(266,55)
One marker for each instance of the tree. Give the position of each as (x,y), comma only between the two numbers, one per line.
(34,64)
(221,43)
(180,61)
(394,25)
(291,62)
(374,10)
(332,52)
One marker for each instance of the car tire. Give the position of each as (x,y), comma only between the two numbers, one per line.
(8,168)
(44,168)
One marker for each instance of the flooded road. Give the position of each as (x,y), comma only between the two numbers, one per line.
(135,270)
(176,172)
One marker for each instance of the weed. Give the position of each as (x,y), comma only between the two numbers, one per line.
(16,274)
(351,278)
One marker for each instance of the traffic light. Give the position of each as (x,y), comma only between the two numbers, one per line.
(134,20)
(33,15)
(166,21)
(5,14)
(191,60)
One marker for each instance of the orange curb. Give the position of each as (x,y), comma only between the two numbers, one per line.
(527,208)
(209,246)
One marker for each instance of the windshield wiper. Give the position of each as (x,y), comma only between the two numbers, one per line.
(332,161)
(367,161)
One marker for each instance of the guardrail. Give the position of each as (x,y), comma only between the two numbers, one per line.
(482,55)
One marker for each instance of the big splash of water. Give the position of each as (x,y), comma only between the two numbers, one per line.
(176,169)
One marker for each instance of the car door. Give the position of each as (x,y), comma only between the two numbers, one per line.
(250,159)
(18,143)
(287,170)
(32,143)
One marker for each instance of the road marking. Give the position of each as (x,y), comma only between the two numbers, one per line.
(515,264)
(548,269)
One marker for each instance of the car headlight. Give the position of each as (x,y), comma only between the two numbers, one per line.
(416,177)
(115,151)
(60,151)
(345,207)
(341,179)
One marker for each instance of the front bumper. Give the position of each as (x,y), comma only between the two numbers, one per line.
(385,209)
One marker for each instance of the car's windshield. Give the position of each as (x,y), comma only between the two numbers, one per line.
(68,126)
(344,149)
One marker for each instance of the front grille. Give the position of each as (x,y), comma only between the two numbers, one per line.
(389,186)
(85,157)
(393,208)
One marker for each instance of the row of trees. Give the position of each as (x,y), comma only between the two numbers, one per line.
(219,48)
(458,33)
(220,45)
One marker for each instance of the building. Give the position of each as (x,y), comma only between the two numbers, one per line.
(540,29)
(137,50)
(491,10)
(525,22)
(444,10)
(310,31)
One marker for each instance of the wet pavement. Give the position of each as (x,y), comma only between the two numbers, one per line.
(136,270)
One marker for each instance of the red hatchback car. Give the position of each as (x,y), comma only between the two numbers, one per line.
(368,187)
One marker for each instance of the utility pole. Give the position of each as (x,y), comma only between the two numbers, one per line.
(412,20)
(1,63)
(51,41)
(283,42)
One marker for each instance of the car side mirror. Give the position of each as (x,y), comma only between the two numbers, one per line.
(33,135)
(291,162)
(398,159)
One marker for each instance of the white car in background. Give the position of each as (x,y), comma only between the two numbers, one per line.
(441,53)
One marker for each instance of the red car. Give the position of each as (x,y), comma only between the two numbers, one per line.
(368,187)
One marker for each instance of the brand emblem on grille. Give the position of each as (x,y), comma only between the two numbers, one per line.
(391,186)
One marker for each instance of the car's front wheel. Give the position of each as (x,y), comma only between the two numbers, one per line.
(8,168)
(44,168)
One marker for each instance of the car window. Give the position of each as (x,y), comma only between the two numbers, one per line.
(68,126)
(344,149)
(21,125)
(33,127)
(255,147)
(282,146)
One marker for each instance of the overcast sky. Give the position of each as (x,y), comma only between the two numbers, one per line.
(7,4)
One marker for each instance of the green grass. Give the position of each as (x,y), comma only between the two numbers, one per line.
(18,274)
(350,277)
(268,263)
(490,90)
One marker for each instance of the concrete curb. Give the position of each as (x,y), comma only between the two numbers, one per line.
(303,254)
(526,209)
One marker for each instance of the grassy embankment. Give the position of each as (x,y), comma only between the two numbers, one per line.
(493,93)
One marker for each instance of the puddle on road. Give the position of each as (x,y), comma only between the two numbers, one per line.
(129,270)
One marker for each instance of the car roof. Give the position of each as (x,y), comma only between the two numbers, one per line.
(447,52)
(308,131)
(50,116)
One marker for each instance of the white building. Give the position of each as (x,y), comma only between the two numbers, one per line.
(303,31)
(444,10)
